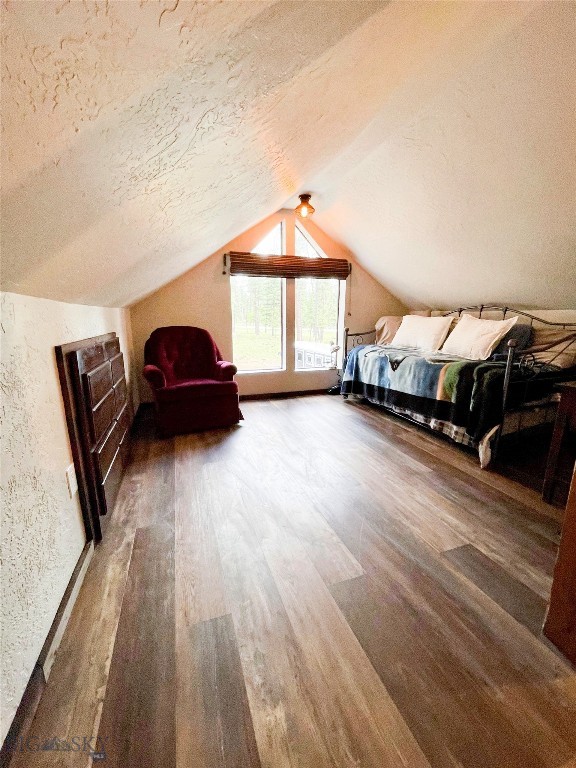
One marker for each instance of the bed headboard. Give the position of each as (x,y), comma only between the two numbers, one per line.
(567,317)
(552,319)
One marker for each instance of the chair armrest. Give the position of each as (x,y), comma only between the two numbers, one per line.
(225,371)
(154,376)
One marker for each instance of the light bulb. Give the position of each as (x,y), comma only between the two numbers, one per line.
(304,208)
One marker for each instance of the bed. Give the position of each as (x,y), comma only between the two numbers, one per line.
(473,402)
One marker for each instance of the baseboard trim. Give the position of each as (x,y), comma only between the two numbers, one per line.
(144,408)
(52,642)
(284,395)
(24,716)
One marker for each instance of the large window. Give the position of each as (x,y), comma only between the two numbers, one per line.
(317,304)
(257,314)
(274,300)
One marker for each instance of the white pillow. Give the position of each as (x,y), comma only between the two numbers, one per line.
(425,333)
(475,338)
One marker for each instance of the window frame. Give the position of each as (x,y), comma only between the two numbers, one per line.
(289,370)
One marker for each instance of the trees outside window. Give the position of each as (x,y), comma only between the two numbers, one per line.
(258,314)
(257,322)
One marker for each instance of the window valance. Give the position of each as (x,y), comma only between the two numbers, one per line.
(287,266)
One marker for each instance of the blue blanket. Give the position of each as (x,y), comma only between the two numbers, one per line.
(465,393)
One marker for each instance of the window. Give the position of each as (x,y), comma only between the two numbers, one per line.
(317,309)
(303,246)
(317,303)
(270,243)
(278,297)
(257,314)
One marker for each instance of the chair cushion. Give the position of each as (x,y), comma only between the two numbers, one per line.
(196,388)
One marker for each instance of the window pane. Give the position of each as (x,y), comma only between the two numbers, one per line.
(316,322)
(303,247)
(271,244)
(257,328)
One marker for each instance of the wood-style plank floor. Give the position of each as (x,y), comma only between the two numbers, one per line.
(324,585)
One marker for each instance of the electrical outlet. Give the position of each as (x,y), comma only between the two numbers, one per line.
(71,480)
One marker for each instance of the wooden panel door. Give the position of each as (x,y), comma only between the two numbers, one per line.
(560,626)
(98,414)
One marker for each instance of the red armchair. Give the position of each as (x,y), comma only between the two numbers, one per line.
(193,387)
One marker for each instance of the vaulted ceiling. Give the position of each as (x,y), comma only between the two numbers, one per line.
(437,138)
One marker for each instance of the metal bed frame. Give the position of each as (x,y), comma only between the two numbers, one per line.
(525,362)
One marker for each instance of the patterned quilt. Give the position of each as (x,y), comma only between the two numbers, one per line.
(462,398)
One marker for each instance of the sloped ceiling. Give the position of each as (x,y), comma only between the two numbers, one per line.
(462,190)
(437,138)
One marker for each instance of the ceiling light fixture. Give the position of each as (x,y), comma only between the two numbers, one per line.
(304,209)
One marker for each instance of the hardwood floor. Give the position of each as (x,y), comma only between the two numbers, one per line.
(324,585)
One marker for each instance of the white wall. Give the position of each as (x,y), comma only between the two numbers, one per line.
(202,297)
(42,534)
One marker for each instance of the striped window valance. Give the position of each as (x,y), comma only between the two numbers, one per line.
(287,266)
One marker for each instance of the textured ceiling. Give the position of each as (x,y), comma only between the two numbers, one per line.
(463,189)
(138,137)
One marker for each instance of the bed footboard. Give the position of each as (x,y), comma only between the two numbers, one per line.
(355,339)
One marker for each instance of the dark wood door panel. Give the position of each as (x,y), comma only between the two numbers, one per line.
(104,453)
(560,624)
(112,347)
(120,394)
(110,486)
(91,356)
(117,364)
(98,382)
(124,417)
(102,416)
